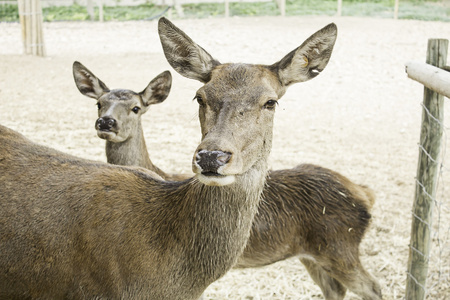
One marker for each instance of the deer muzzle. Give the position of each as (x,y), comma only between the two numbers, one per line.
(209,165)
(105,124)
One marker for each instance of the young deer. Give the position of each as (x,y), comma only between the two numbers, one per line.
(119,117)
(308,211)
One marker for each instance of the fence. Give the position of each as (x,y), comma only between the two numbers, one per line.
(430,171)
(31,15)
(80,10)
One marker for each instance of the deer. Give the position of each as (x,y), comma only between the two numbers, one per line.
(119,117)
(74,228)
(308,211)
(297,204)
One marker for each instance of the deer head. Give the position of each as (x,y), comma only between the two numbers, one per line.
(120,110)
(237,101)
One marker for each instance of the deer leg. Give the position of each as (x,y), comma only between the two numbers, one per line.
(331,288)
(359,281)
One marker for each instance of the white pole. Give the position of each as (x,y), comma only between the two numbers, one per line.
(227,8)
(396,9)
(100,10)
(282,6)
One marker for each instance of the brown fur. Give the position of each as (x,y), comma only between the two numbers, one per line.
(308,211)
(77,229)
(320,216)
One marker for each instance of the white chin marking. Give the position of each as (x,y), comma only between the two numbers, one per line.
(216,180)
(106,135)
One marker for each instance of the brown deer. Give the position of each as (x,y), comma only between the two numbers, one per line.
(297,203)
(119,117)
(308,211)
(73,228)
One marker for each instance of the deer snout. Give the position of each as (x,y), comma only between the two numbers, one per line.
(105,124)
(208,164)
(211,161)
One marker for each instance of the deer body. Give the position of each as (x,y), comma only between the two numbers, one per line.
(317,215)
(73,228)
(87,229)
(307,211)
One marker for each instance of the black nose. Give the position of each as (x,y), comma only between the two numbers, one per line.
(211,161)
(105,123)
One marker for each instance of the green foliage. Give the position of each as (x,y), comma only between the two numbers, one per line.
(203,10)
(431,10)
(311,7)
(9,13)
(67,13)
(250,9)
(124,13)
(382,8)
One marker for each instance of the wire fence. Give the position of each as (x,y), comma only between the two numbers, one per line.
(438,278)
(439,274)
(428,273)
(121,10)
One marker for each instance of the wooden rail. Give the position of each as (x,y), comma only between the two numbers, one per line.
(434,78)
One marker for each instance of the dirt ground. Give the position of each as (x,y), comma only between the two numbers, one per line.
(360,117)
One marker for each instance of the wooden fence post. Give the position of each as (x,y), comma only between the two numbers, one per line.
(396,9)
(30,14)
(100,10)
(427,173)
(282,6)
(90,9)
(227,8)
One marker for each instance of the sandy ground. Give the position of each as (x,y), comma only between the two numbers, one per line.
(360,117)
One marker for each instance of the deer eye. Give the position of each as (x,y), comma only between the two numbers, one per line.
(99,105)
(271,104)
(136,109)
(199,100)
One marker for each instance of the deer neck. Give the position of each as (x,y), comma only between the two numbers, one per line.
(197,232)
(131,152)
(217,223)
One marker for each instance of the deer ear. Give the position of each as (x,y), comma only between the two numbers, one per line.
(158,89)
(87,83)
(308,60)
(185,56)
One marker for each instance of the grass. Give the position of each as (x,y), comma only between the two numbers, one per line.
(9,13)
(431,10)
(110,13)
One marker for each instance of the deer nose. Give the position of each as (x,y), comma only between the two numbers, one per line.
(105,123)
(211,161)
